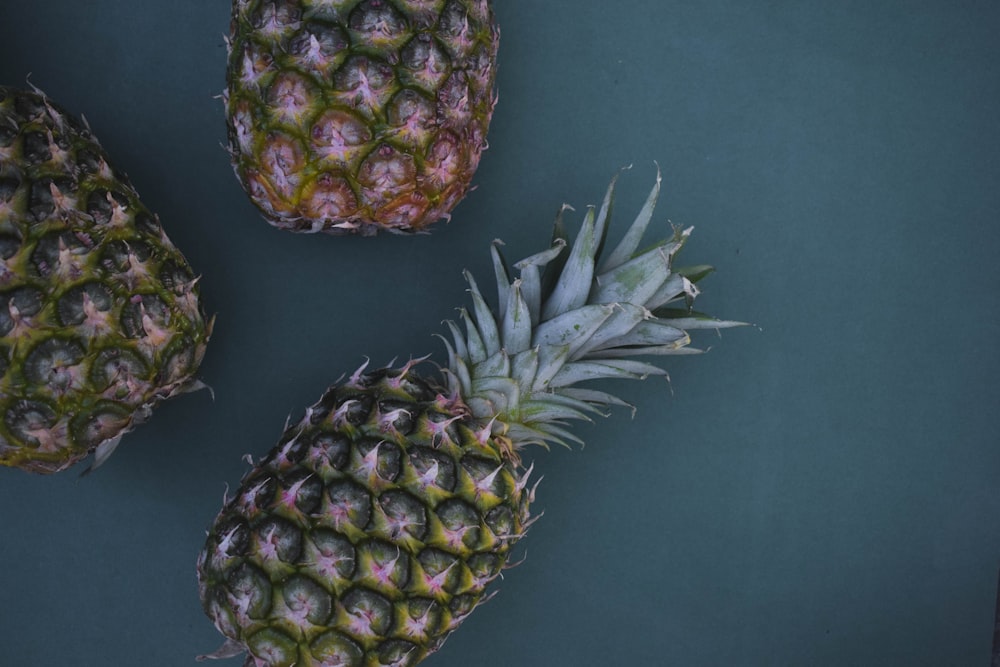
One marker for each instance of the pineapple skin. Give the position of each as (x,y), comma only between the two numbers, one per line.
(368,533)
(100,315)
(359,117)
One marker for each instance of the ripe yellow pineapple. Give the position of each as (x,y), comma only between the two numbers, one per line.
(376,524)
(99,313)
(356,117)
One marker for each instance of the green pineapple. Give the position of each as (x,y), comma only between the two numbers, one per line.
(350,116)
(99,313)
(376,524)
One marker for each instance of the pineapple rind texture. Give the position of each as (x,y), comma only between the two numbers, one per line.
(359,117)
(376,524)
(368,534)
(100,315)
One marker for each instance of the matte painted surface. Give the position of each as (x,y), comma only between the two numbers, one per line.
(823,491)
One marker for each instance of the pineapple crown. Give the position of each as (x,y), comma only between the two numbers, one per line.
(574,313)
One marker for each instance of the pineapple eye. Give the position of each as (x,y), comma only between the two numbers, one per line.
(331,552)
(335,448)
(35,148)
(102,424)
(404,513)
(485,566)
(277,538)
(148,224)
(381,458)
(51,363)
(349,504)
(8,188)
(395,417)
(356,411)
(29,107)
(29,421)
(333,648)
(426,61)
(307,599)
(115,366)
(101,205)
(461,525)
(370,610)
(48,254)
(40,203)
(175,277)
(307,491)
(80,302)
(10,245)
(379,22)
(15,306)
(88,161)
(454,26)
(251,588)
(115,257)
(501,521)
(426,461)
(142,310)
(321,47)
(275,20)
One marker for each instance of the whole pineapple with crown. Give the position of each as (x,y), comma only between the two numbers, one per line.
(376,524)
(99,312)
(350,116)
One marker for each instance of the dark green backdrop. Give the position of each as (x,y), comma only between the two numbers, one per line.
(823,490)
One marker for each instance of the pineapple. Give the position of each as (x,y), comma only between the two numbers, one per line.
(355,117)
(99,312)
(376,524)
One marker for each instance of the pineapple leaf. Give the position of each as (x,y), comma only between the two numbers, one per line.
(581,371)
(649,333)
(524,369)
(485,319)
(495,365)
(554,267)
(473,341)
(460,348)
(690,319)
(604,214)
(545,410)
(574,282)
(695,273)
(517,325)
(634,281)
(624,318)
(573,328)
(675,287)
(633,237)
(502,276)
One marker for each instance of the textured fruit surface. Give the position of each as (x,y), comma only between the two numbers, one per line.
(375,525)
(99,312)
(368,534)
(356,117)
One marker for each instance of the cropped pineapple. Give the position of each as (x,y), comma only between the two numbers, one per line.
(99,313)
(356,117)
(376,524)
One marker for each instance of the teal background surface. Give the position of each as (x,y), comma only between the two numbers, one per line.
(823,489)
